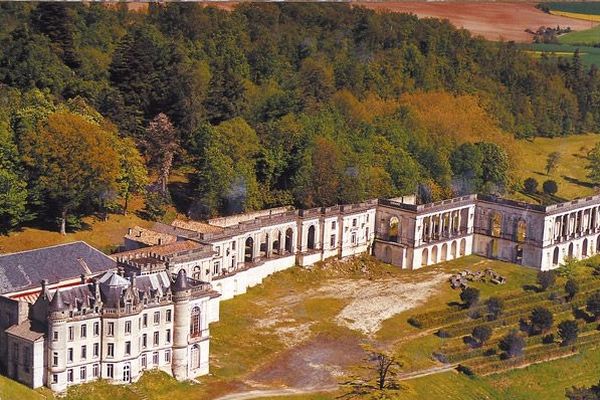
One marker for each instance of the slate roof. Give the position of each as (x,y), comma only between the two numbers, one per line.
(26,269)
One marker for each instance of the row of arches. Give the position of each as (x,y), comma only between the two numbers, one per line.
(263,249)
(575,253)
(445,253)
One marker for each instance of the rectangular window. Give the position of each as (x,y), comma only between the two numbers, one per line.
(69,375)
(96,350)
(54,378)
(157,318)
(144,341)
(218,250)
(145,320)
(55,359)
(156,338)
(332,241)
(367,233)
(110,370)
(168,336)
(332,224)
(167,356)
(233,245)
(15,351)
(110,350)
(110,329)
(168,316)
(155,358)
(83,352)
(83,332)
(367,217)
(71,333)
(70,355)
(127,348)
(95,370)
(55,336)
(82,373)
(144,361)
(353,239)
(127,327)
(354,222)
(216,268)
(96,329)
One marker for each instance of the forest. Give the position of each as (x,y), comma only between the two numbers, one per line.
(264,105)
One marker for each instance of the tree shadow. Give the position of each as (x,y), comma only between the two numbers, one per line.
(471,341)
(532,288)
(578,182)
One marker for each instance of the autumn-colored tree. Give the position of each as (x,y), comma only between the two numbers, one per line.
(161,144)
(133,176)
(72,161)
(326,171)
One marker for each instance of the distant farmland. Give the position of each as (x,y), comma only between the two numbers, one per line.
(494,21)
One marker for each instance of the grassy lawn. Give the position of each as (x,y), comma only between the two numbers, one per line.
(105,235)
(11,390)
(249,337)
(589,55)
(587,37)
(570,174)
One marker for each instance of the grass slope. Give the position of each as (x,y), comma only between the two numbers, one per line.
(570,174)
(11,390)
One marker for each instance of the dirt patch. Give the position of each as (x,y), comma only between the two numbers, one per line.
(494,21)
(316,363)
(372,302)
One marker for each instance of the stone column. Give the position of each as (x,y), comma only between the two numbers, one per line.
(269,246)
(459,212)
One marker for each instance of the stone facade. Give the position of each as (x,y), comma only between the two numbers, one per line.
(151,305)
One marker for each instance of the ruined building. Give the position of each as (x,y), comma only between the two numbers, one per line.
(70,314)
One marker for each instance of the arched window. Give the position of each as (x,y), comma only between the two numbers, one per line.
(197,274)
(195,330)
(496,224)
(311,237)
(521,231)
(393,231)
(195,357)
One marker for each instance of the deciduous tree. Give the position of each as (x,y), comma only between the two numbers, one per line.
(72,161)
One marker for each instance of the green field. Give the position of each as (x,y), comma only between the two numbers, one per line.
(578,7)
(588,37)
(589,55)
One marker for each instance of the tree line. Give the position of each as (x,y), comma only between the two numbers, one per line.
(268,104)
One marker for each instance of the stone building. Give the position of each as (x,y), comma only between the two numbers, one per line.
(70,314)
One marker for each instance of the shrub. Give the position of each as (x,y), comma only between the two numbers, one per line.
(541,320)
(494,305)
(593,304)
(482,334)
(571,287)
(546,279)
(550,187)
(548,339)
(470,296)
(568,331)
(465,370)
(512,344)
(530,185)
(414,321)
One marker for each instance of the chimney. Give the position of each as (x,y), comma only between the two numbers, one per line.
(160,241)
(128,231)
(44,283)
